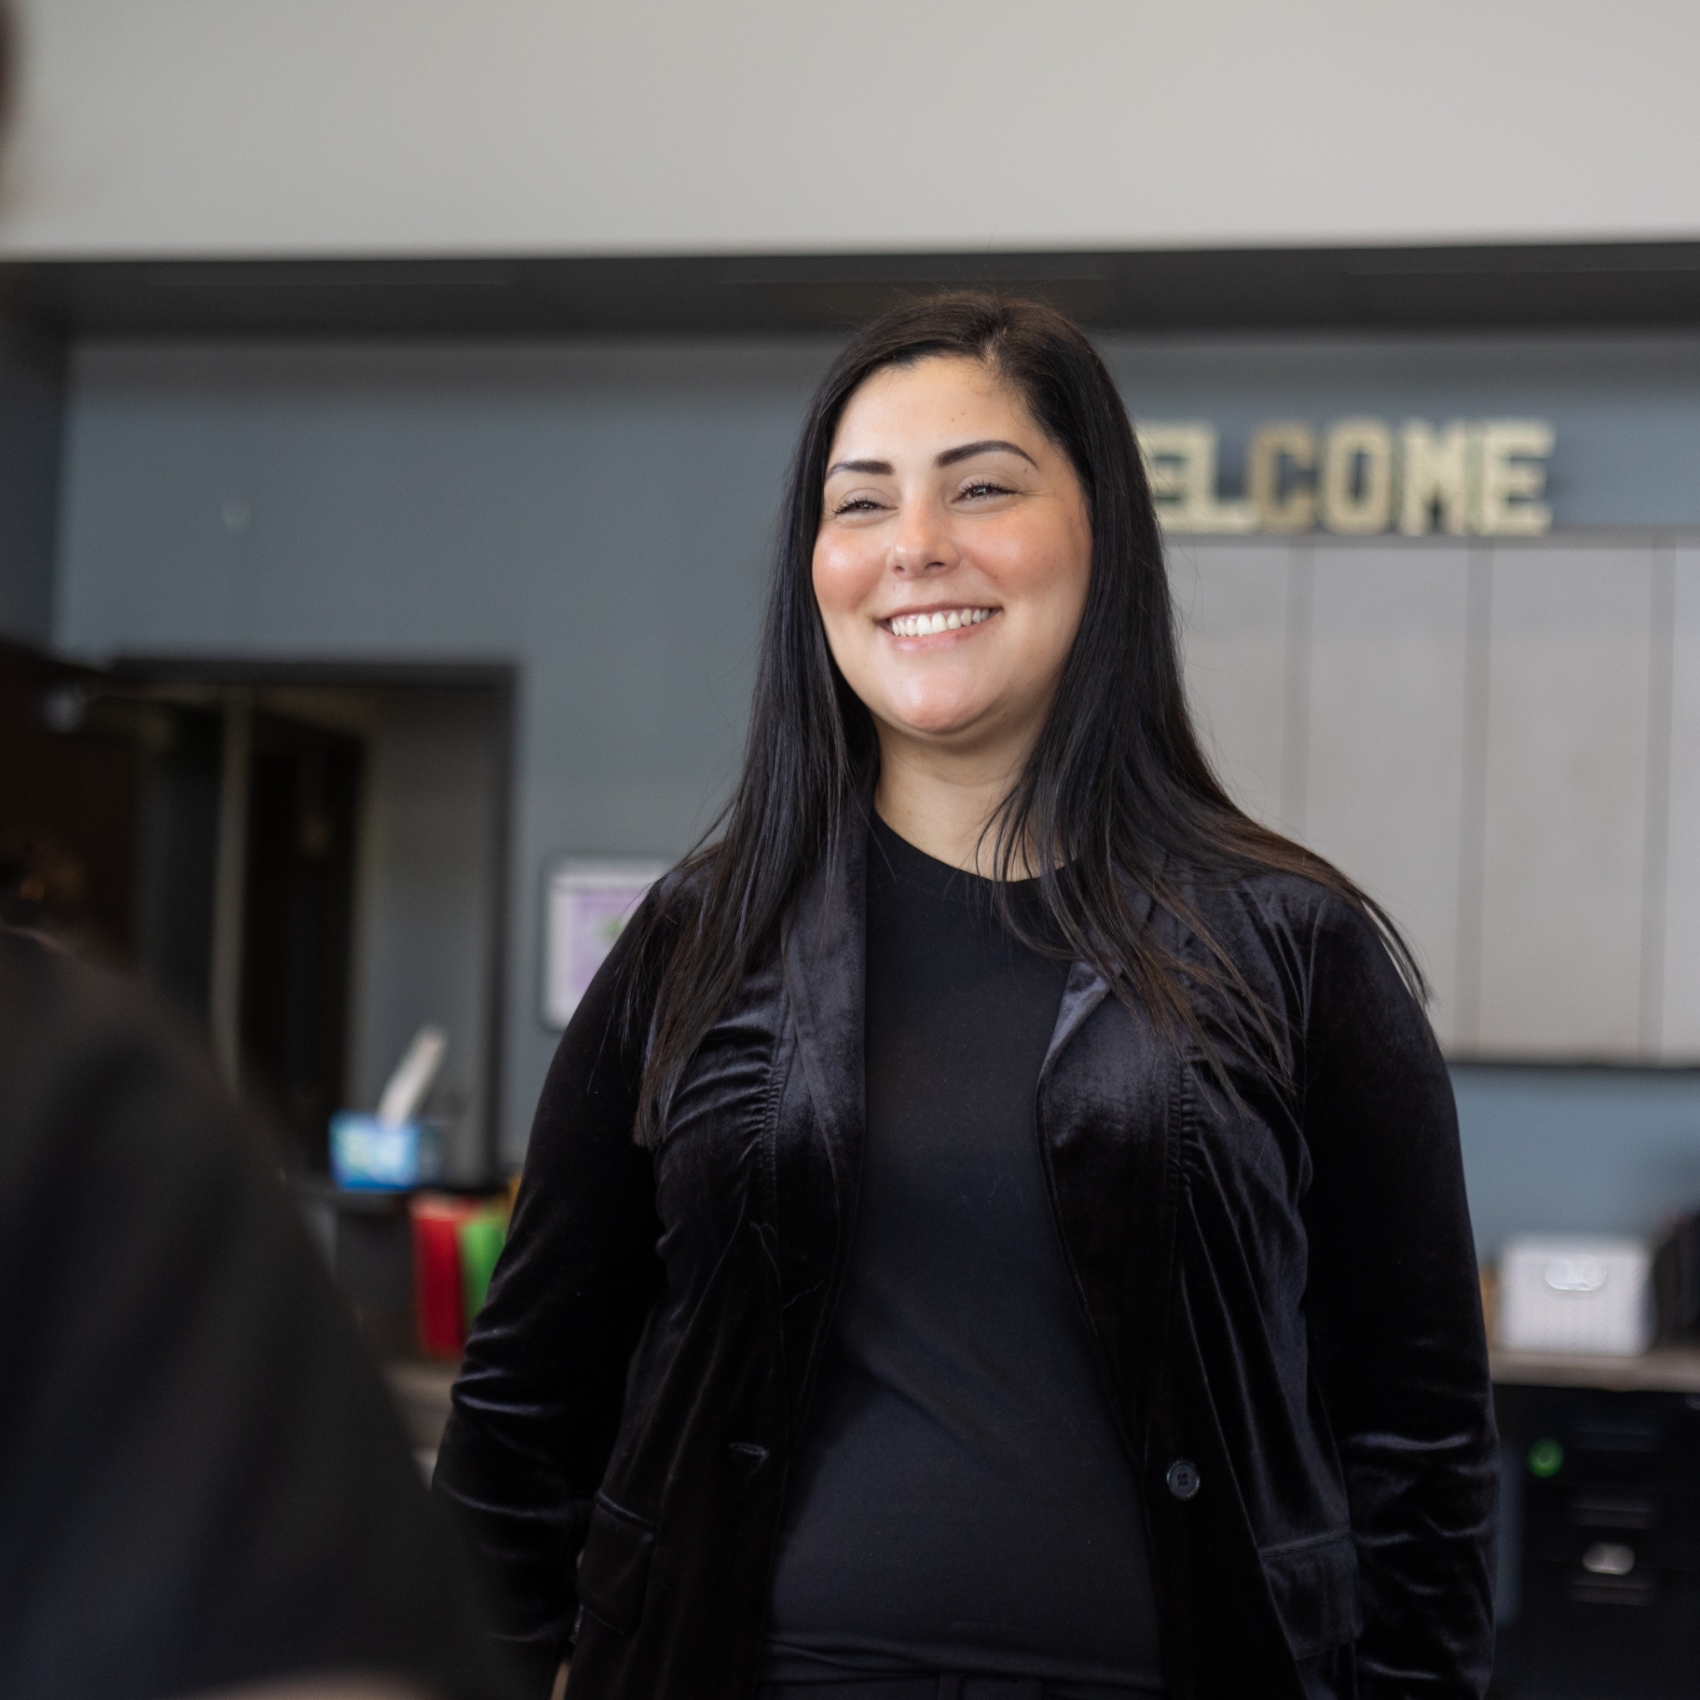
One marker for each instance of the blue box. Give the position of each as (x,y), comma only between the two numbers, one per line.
(368,1156)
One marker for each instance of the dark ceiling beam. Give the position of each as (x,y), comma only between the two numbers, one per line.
(1264,289)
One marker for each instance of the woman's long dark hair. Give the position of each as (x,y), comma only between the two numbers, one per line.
(1116,789)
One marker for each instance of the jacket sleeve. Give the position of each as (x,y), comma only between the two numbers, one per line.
(1396,1320)
(537,1405)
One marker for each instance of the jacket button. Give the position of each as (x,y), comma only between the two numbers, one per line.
(1182,1478)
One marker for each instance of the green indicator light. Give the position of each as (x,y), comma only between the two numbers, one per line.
(1546,1458)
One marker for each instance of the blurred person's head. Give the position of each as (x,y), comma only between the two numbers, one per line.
(39,895)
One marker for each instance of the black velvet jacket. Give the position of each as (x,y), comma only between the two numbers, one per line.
(1281,1292)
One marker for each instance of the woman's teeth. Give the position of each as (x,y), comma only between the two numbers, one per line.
(923,625)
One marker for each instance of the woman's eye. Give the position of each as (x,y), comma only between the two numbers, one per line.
(985,487)
(855,505)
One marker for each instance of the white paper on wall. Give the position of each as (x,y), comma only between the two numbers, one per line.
(588,903)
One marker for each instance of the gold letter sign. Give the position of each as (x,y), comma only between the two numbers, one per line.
(1358,477)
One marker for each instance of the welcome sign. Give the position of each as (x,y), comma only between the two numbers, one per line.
(1358,477)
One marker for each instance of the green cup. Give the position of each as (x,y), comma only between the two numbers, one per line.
(481,1240)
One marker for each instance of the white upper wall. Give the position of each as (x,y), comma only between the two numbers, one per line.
(374,127)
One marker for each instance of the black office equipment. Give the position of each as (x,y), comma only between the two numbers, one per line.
(1600,1591)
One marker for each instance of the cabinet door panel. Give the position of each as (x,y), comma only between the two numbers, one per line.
(1566,802)
(1385,776)
(1232,605)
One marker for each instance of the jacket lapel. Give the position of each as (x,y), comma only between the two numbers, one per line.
(1086,988)
(1083,991)
(1105,1110)
(825,956)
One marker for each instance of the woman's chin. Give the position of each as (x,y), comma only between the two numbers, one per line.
(953,725)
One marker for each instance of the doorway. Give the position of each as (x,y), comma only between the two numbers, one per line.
(308,861)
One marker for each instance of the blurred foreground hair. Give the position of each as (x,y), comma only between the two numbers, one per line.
(1116,797)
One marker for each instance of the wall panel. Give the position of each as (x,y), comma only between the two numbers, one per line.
(1679,1027)
(1386,730)
(1566,802)
(1232,600)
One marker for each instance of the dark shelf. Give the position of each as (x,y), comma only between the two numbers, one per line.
(1497,287)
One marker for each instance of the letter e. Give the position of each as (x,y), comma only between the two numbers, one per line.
(1507,484)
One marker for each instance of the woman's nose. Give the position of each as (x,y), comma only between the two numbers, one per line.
(922,542)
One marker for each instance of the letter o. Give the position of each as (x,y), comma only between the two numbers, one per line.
(1352,504)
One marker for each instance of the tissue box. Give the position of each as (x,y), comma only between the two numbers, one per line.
(1563,1294)
(374,1155)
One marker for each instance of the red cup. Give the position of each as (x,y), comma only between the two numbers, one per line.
(438,1288)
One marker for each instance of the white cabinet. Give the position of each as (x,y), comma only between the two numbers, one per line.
(1232,604)
(1678,935)
(1564,830)
(1501,743)
(1386,717)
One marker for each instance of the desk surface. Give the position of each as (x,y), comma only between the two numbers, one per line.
(1662,1371)
(422,1389)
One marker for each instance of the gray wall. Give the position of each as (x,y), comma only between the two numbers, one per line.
(602,516)
(599,516)
(1596,1151)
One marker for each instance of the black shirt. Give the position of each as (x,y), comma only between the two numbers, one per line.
(960,1500)
(202,1483)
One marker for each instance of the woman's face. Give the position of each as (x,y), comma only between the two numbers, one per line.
(952,559)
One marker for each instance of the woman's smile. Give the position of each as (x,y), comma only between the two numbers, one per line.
(917,627)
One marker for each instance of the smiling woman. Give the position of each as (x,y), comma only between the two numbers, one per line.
(996,1219)
(951,569)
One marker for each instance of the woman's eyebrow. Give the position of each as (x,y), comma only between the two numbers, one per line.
(878,468)
(951,456)
(882,468)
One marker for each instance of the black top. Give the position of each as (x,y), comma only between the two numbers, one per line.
(961,1500)
(202,1483)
